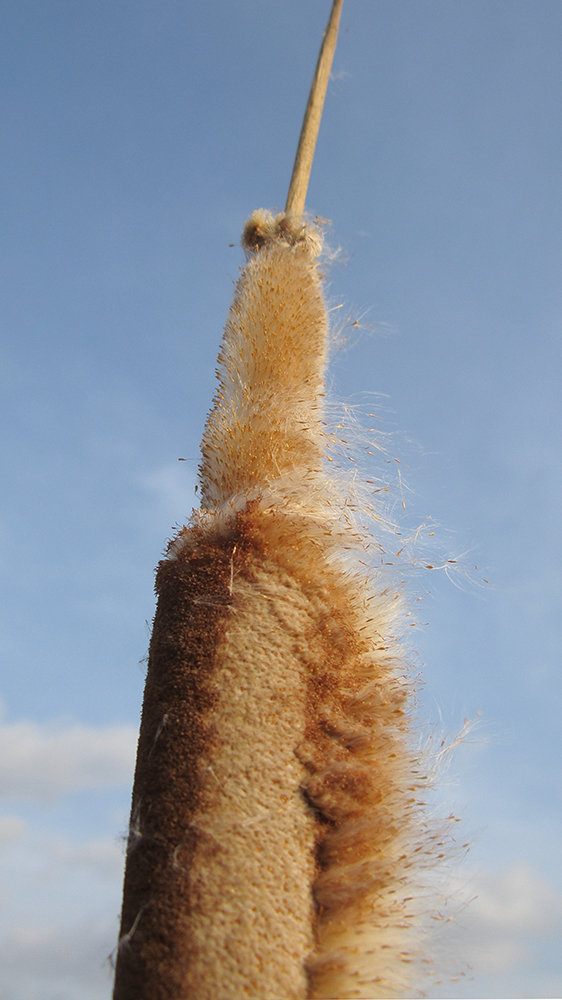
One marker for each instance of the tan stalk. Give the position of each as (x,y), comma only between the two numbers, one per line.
(310,127)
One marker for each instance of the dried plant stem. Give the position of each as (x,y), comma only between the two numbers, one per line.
(309,133)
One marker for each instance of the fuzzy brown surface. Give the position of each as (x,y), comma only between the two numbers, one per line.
(193,602)
(360,778)
(277,830)
(276,808)
(252,914)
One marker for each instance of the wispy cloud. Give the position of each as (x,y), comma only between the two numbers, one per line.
(56,964)
(60,898)
(11,828)
(59,906)
(494,946)
(44,761)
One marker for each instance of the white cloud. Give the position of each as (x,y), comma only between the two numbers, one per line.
(60,901)
(45,880)
(59,908)
(44,761)
(517,901)
(101,858)
(495,944)
(11,828)
(56,964)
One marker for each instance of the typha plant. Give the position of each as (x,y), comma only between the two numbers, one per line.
(276,831)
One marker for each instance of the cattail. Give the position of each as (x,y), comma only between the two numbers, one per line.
(276,831)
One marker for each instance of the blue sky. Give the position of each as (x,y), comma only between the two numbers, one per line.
(138,137)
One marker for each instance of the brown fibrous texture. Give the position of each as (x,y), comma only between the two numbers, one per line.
(278,833)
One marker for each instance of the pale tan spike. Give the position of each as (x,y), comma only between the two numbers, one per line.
(276,828)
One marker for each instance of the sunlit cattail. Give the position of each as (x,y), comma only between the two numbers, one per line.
(275,829)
